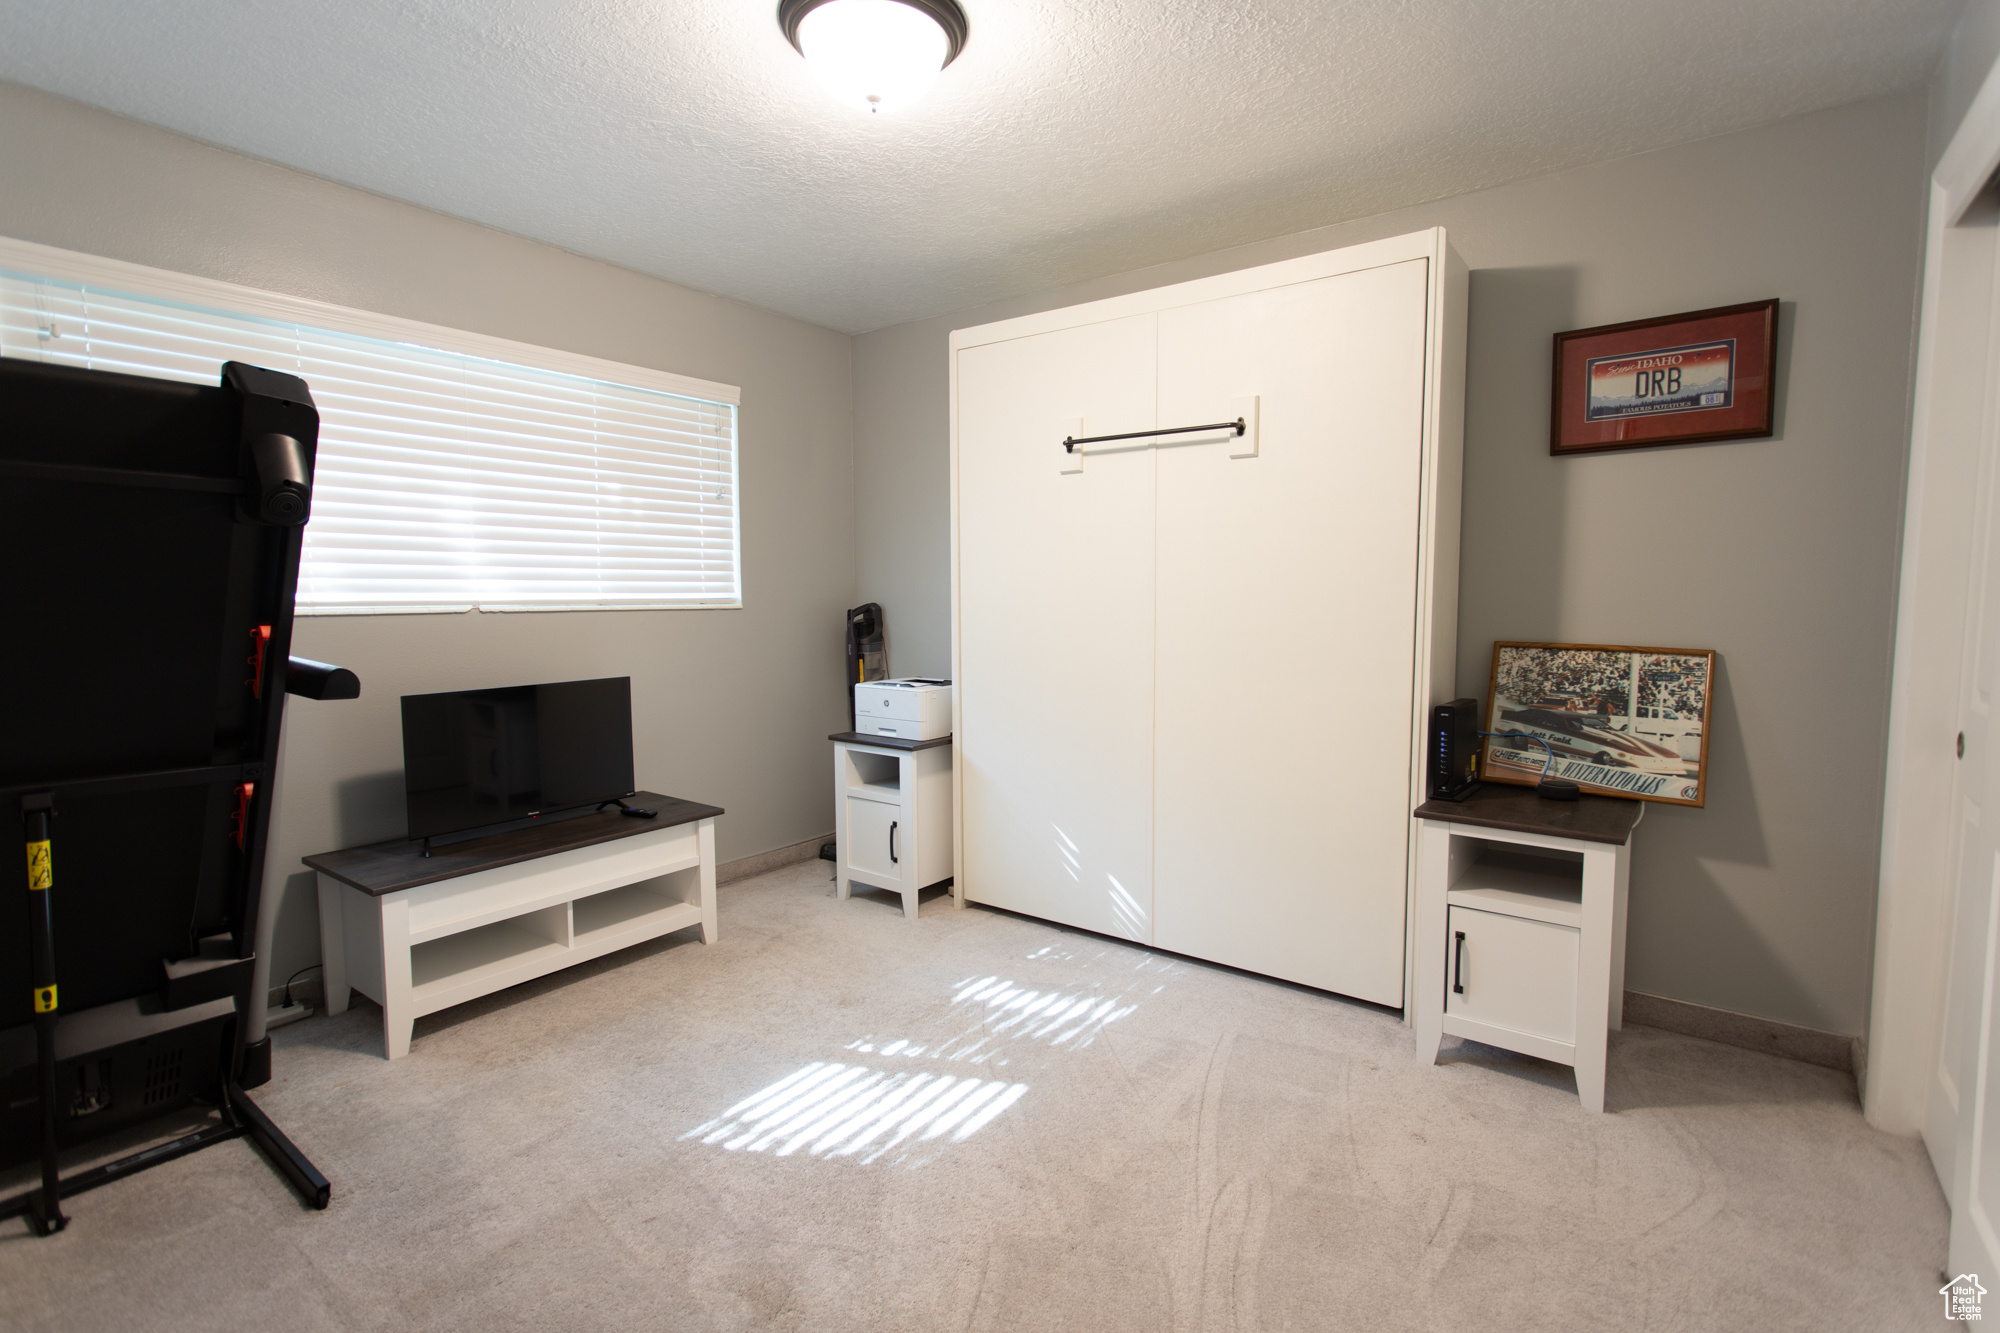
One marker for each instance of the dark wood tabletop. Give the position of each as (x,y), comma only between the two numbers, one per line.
(888,742)
(385,867)
(1518,810)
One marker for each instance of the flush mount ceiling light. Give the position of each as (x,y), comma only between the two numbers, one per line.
(876,55)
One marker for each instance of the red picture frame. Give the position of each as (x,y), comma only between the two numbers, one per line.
(1676,379)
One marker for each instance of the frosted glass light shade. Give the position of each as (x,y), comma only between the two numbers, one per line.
(876,55)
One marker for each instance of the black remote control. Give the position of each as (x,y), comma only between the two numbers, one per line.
(637,812)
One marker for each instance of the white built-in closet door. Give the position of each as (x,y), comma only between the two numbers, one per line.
(1965,1097)
(1286,632)
(1055,609)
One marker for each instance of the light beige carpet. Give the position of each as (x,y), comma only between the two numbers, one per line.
(838,1119)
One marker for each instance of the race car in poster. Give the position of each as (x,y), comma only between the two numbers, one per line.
(1621,721)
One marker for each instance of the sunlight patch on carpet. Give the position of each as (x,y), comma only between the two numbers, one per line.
(831,1110)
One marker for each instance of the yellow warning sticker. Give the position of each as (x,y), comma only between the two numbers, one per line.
(45,997)
(39,876)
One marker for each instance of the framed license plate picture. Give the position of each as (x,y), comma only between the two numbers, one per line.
(1614,720)
(1678,379)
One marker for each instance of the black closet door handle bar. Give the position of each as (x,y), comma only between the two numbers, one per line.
(892,846)
(1070,442)
(1458,962)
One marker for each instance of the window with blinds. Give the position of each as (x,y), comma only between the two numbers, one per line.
(445,480)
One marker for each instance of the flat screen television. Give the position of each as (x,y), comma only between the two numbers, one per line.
(476,758)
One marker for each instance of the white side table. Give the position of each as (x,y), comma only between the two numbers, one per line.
(892,801)
(1521,925)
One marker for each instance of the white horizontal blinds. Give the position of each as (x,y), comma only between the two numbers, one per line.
(447,481)
(450,481)
(71,324)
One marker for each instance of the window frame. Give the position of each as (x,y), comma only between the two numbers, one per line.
(229,298)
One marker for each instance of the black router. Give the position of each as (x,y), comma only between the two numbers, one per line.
(1454,757)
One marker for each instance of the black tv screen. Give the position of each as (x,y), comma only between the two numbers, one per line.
(472,758)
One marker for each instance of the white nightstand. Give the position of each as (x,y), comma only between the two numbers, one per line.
(1521,925)
(892,801)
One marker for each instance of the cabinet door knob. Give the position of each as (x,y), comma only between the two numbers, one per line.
(1458,962)
(892,846)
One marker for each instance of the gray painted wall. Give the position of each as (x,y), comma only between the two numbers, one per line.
(1975,44)
(730,707)
(1780,554)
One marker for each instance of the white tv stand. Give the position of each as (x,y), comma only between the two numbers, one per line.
(417,934)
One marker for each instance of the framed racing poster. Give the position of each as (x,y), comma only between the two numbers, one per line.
(1678,379)
(1616,721)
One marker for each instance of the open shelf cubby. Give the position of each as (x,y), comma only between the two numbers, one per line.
(883,773)
(613,911)
(1543,883)
(491,949)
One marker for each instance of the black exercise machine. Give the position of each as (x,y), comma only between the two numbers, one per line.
(152,531)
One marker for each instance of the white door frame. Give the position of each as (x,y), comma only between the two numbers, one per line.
(1914,903)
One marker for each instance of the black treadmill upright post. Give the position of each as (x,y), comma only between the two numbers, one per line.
(275,407)
(36,811)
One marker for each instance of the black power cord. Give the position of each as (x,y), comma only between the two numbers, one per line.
(294,977)
(1553,789)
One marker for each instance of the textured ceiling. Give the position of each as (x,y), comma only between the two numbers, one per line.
(1073,138)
